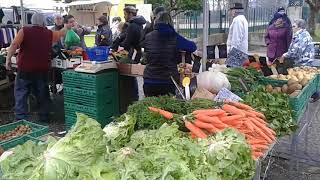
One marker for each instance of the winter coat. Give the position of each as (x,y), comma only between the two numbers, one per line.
(103,36)
(134,36)
(278,40)
(301,49)
(162,47)
(238,34)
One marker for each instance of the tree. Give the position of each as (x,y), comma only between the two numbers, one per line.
(314,10)
(177,6)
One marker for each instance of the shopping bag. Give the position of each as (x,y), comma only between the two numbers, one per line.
(236,58)
(72,39)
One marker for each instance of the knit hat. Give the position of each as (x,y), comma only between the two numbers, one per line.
(130,9)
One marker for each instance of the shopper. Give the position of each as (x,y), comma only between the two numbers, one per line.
(114,27)
(238,31)
(33,65)
(58,23)
(104,34)
(301,51)
(80,30)
(282,12)
(162,47)
(122,27)
(134,33)
(278,36)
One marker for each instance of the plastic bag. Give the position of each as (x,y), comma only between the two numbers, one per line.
(72,39)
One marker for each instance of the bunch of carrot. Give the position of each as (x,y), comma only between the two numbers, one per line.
(251,123)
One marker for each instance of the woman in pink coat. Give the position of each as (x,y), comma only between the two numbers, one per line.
(278,36)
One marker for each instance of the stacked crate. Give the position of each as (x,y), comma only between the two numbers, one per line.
(95,95)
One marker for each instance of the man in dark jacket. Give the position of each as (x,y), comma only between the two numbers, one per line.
(162,48)
(104,33)
(134,33)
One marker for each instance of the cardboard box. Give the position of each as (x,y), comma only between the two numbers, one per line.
(131,69)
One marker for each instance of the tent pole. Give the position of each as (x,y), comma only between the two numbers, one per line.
(22,13)
(205,33)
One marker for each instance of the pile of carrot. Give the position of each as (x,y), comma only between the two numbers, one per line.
(205,122)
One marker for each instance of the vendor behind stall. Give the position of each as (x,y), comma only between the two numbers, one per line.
(80,30)
(35,45)
(104,33)
(162,48)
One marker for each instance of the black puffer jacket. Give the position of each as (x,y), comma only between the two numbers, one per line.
(134,37)
(161,52)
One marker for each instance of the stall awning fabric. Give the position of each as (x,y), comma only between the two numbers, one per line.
(89,2)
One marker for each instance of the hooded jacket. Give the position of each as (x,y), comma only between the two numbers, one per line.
(134,36)
(162,47)
(103,36)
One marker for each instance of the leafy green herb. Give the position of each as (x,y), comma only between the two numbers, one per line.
(275,107)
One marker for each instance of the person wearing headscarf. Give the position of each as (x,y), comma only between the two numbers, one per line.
(278,36)
(281,12)
(238,31)
(162,47)
(104,34)
(35,44)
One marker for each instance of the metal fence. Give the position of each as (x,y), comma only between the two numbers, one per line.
(190,23)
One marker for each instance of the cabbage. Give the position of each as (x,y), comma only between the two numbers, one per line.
(117,134)
(21,164)
(230,156)
(81,148)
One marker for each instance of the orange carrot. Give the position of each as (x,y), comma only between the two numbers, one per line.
(261,133)
(208,119)
(257,154)
(153,109)
(195,130)
(240,105)
(214,129)
(258,114)
(263,128)
(203,125)
(248,124)
(250,114)
(231,118)
(193,136)
(233,110)
(260,120)
(259,146)
(256,141)
(165,114)
(209,112)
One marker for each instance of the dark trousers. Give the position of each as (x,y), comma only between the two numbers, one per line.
(36,83)
(158,89)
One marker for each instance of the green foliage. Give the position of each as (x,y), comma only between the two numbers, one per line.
(178,6)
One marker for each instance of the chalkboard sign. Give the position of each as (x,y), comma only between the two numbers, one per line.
(236,58)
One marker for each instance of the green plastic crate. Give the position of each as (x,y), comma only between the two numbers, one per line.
(92,82)
(273,82)
(89,98)
(18,141)
(297,103)
(37,130)
(318,82)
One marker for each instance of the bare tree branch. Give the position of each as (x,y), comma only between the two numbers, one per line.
(311,4)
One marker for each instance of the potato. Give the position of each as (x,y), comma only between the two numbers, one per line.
(304,82)
(274,91)
(294,87)
(269,88)
(278,89)
(292,81)
(295,93)
(274,76)
(284,88)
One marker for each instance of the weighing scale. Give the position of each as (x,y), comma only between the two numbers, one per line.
(94,66)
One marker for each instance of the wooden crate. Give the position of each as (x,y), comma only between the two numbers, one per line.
(131,69)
